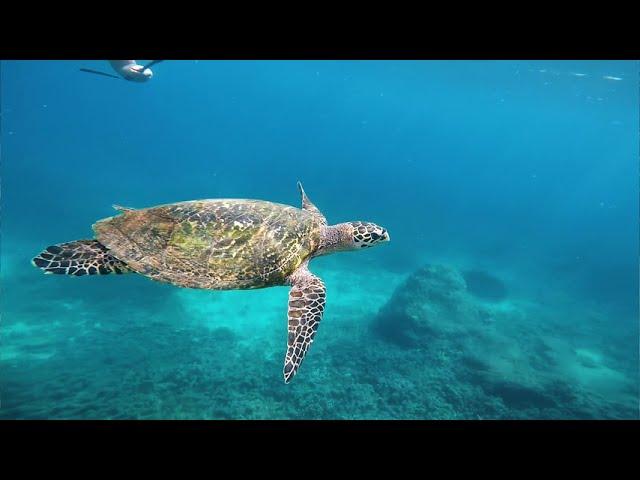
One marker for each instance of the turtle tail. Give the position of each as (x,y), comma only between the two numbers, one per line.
(82,257)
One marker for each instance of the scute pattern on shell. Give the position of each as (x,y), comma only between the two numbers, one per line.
(213,244)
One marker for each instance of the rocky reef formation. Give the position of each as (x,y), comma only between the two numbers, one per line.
(438,344)
(434,302)
(507,357)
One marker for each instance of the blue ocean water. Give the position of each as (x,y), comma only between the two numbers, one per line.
(509,288)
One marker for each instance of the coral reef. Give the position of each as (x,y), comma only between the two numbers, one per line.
(507,358)
(418,347)
(485,286)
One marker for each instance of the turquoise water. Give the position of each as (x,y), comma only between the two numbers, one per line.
(509,288)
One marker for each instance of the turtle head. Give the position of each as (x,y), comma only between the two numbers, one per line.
(351,236)
(366,234)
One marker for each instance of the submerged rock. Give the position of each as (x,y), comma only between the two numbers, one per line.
(484,285)
(494,357)
(430,302)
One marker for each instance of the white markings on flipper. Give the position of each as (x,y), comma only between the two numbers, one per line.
(306,306)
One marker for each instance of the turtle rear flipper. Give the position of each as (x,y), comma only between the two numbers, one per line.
(81,257)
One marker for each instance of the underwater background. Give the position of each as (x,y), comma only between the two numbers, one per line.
(509,288)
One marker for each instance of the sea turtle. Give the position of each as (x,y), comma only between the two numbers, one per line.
(222,244)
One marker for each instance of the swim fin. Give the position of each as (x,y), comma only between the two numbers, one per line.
(88,70)
(150,64)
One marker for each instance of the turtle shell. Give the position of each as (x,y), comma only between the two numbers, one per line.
(212,244)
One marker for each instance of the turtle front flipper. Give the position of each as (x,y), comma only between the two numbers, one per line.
(310,207)
(306,306)
(82,257)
